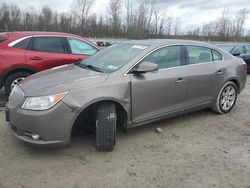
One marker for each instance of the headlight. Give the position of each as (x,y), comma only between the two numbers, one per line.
(43,102)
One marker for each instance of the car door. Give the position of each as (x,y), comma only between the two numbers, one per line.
(205,75)
(46,52)
(79,49)
(156,94)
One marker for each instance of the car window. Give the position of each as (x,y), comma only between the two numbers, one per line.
(48,44)
(2,39)
(113,58)
(166,57)
(198,54)
(239,49)
(23,44)
(217,55)
(247,49)
(79,47)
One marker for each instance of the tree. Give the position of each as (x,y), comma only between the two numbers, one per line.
(239,23)
(114,11)
(80,9)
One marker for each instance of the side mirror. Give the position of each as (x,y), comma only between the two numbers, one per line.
(145,67)
(236,54)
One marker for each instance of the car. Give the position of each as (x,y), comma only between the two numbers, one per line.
(124,86)
(238,50)
(26,53)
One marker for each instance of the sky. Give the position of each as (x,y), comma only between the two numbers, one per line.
(191,12)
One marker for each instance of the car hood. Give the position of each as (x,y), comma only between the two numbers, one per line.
(61,79)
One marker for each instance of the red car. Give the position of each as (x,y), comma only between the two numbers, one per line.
(25,53)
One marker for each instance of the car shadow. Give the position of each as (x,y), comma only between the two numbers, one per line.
(83,141)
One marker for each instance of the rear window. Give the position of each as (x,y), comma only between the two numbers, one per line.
(23,44)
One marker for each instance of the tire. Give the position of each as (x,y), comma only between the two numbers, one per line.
(11,79)
(220,105)
(106,120)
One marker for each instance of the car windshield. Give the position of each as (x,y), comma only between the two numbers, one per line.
(112,58)
(226,47)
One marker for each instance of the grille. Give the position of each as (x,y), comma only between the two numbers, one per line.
(16,97)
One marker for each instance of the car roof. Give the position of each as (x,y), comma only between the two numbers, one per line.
(32,33)
(161,42)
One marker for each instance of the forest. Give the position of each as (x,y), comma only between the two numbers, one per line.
(123,19)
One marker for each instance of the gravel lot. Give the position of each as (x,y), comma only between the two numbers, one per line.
(197,150)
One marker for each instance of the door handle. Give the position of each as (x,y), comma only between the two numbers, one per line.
(219,72)
(36,58)
(179,80)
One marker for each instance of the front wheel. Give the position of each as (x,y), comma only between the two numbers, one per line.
(106,120)
(226,98)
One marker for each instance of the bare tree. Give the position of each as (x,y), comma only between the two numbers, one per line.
(15,17)
(5,17)
(114,11)
(151,12)
(239,23)
(129,16)
(80,9)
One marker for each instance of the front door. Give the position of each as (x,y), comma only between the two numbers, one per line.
(156,94)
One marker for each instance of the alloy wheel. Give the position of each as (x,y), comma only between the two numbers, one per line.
(228,98)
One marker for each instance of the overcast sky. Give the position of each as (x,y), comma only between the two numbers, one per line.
(191,12)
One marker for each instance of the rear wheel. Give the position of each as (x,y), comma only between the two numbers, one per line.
(106,120)
(226,98)
(13,79)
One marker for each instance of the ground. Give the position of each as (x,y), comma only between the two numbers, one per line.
(196,150)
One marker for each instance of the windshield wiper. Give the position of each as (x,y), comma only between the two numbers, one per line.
(91,67)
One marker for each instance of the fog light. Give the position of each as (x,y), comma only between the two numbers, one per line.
(35,136)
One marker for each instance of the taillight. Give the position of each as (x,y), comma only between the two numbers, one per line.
(245,66)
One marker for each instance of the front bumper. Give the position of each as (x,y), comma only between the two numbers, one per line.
(53,125)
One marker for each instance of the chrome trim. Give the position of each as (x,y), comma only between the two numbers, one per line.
(13,43)
(168,45)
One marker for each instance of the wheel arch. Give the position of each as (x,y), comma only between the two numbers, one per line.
(15,70)
(122,111)
(236,82)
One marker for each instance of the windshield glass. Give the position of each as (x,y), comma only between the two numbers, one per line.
(227,48)
(113,58)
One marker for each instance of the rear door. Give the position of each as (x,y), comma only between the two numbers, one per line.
(46,52)
(156,94)
(205,75)
(80,49)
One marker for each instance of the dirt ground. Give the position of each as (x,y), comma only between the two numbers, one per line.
(197,150)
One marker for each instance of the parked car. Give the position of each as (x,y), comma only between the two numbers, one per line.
(125,85)
(239,50)
(25,53)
